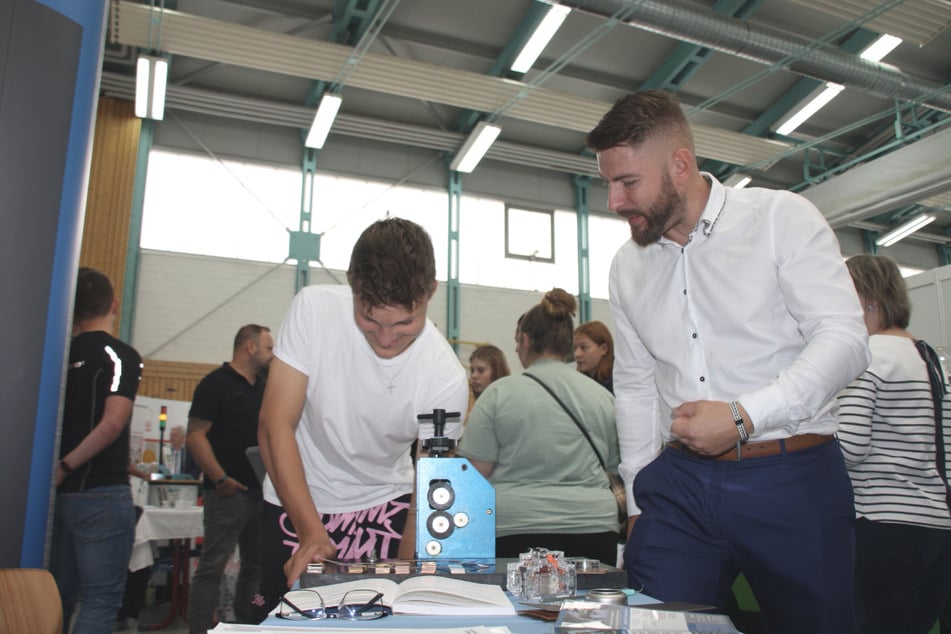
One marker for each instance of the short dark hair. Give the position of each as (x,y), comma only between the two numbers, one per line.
(494,357)
(250,332)
(549,326)
(94,295)
(878,279)
(600,335)
(640,116)
(393,264)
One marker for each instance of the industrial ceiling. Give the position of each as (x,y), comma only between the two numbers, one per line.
(423,72)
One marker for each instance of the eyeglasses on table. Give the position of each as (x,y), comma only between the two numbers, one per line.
(356,605)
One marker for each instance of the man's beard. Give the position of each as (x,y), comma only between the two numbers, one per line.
(664,213)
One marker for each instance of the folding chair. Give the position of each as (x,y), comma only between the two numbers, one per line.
(29,602)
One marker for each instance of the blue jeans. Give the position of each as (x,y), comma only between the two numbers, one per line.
(93,533)
(786,522)
(230,521)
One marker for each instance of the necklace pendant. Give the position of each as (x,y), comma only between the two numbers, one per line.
(390,387)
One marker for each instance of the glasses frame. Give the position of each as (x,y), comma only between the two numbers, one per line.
(370,610)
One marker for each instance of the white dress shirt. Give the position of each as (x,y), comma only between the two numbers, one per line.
(757,307)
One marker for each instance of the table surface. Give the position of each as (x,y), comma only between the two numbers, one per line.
(515,624)
(163,523)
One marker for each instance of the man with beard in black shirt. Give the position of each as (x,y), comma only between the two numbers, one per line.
(222,424)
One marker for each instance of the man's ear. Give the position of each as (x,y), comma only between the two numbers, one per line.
(680,165)
(433,292)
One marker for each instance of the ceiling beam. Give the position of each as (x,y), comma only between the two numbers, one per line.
(907,175)
(204,38)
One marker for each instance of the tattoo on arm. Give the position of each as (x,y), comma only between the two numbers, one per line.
(198,424)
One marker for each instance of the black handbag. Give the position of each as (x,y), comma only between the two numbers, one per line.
(938,392)
(615,482)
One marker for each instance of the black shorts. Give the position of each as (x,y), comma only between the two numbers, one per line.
(357,535)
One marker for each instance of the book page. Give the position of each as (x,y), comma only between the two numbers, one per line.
(332,594)
(442,595)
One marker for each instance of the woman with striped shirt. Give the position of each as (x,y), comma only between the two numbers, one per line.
(893,444)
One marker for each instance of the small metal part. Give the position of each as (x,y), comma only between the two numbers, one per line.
(607,595)
(460,519)
(586,564)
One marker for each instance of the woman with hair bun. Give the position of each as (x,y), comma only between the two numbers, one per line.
(551,490)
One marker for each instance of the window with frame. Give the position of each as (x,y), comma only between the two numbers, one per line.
(529,234)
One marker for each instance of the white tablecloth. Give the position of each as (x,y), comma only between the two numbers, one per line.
(163,523)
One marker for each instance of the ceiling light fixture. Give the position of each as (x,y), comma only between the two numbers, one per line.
(738,180)
(827,93)
(905,230)
(323,120)
(874,52)
(151,77)
(545,30)
(481,138)
(877,50)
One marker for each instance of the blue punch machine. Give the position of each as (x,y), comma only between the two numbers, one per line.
(455,505)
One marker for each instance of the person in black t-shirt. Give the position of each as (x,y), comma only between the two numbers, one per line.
(94,519)
(222,424)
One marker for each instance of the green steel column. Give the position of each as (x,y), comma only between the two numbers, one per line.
(868,238)
(304,246)
(582,185)
(452,279)
(944,254)
(131,284)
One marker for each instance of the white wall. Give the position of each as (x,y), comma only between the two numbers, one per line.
(189,307)
(931,306)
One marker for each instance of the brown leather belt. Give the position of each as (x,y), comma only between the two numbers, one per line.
(762,448)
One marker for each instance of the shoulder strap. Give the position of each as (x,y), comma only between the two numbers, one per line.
(571,415)
(938,391)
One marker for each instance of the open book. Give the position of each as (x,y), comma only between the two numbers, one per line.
(427,595)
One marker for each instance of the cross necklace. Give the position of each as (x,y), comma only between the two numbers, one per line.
(390,385)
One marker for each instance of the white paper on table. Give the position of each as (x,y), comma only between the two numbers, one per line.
(232,628)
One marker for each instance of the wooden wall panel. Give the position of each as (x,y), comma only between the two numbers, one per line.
(173,380)
(109,195)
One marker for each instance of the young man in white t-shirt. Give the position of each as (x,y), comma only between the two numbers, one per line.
(353,368)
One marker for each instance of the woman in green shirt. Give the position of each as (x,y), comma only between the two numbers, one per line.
(551,490)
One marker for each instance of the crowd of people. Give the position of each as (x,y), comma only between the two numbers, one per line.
(787,428)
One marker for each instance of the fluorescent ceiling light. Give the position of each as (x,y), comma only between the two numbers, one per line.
(738,180)
(810,108)
(877,50)
(545,30)
(151,76)
(323,120)
(905,230)
(874,52)
(475,147)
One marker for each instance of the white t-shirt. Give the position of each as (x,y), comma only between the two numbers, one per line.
(360,413)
